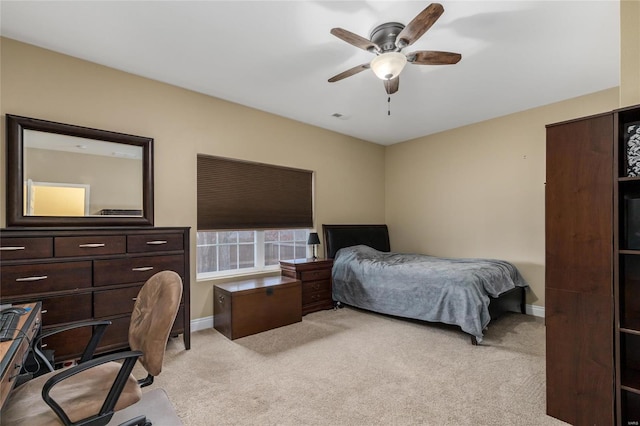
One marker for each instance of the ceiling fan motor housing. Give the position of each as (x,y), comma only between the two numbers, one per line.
(385,36)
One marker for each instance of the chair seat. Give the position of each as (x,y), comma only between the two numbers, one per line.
(79,396)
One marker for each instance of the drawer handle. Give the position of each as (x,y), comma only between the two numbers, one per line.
(44,311)
(156,242)
(92,245)
(142,269)
(44,345)
(316,286)
(39,278)
(9,248)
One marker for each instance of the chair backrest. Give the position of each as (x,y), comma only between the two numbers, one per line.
(153,315)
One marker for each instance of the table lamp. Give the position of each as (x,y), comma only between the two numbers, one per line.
(314,240)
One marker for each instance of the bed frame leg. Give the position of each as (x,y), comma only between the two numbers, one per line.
(474,341)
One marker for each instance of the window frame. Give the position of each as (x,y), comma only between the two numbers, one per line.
(259,255)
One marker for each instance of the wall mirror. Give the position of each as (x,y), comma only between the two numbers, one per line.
(65,175)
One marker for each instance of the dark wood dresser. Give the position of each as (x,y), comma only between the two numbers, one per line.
(315,275)
(82,274)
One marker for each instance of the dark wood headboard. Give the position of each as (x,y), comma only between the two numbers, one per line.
(339,236)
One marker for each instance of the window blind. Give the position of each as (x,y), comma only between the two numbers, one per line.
(235,194)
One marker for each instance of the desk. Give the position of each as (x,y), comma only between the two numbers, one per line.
(14,351)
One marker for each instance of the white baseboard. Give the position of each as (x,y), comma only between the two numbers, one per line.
(207,322)
(535,310)
(201,323)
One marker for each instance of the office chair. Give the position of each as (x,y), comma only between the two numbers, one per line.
(90,392)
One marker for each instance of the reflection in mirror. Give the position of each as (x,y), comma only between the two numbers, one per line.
(110,172)
(56,199)
(65,175)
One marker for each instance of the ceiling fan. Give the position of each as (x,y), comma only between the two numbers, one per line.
(388,40)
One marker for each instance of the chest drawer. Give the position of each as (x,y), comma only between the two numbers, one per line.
(315,286)
(44,277)
(25,248)
(114,302)
(154,242)
(90,246)
(322,296)
(134,269)
(63,309)
(318,274)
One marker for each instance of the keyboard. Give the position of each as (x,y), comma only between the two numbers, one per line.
(8,325)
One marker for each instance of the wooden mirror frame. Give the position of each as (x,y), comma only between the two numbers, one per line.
(15,174)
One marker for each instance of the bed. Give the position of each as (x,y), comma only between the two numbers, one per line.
(467,293)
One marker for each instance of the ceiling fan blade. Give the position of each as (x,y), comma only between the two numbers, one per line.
(391,86)
(433,57)
(349,73)
(355,39)
(419,25)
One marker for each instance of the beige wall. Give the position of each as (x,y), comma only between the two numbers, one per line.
(478,190)
(629,52)
(43,84)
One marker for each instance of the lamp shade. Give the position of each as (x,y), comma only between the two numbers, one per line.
(313,238)
(388,65)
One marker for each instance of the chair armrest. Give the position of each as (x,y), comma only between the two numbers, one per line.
(129,357)
(99,328)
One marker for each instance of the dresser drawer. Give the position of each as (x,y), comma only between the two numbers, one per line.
(20,280)
(90,246)
(114,302)
(318,274)
(25,248)
(116,335)
(178,324)
(69,344)
(154,242)
(134,269)
(63,309)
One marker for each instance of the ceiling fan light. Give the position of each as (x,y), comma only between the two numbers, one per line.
(388,65)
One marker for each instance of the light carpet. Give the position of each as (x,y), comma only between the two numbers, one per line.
(351,367)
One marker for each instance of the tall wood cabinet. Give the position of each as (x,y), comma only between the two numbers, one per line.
(592,288)
(627,264)
(90,273)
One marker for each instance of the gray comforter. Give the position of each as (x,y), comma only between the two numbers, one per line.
(451,291)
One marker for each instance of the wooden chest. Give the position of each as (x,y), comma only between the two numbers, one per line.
(242,308)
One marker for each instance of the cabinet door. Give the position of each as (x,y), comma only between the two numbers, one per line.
(579,271)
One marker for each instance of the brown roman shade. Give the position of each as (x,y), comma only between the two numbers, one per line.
(236,194)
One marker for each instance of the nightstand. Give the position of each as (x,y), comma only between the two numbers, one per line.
(315,275)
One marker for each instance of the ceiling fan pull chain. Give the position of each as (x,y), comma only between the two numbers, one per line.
(389,105)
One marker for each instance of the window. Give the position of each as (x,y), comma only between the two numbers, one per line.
(250,216)
(223,253)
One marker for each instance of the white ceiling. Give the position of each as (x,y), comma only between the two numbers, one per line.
(276,56)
